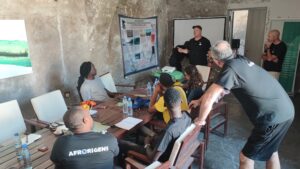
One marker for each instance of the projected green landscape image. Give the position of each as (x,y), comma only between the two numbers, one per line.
(14,51)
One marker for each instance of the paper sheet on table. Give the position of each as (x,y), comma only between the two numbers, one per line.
(31,138)
(128,123)
(98,127)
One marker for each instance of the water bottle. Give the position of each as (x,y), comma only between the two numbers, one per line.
(129,105)
(26,157)
(125,106)
(149,89)
(18,144)
(155,82)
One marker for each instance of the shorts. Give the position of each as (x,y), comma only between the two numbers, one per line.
(264,141)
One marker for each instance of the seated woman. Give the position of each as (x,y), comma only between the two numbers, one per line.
(89,86)
(194,83)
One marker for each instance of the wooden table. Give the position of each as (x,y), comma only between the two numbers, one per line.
(40,160)
(111,115)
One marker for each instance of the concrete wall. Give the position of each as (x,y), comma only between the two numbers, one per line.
(64,33)
(277,9)
(277,12)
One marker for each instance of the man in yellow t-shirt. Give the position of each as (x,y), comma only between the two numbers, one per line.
(158,105)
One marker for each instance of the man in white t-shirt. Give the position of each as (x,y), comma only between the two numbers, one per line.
(89,86)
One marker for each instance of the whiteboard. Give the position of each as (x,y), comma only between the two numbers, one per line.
(212,28)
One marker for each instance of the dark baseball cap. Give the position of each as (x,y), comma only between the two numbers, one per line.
(197,26)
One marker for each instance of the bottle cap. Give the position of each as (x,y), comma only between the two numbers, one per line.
(24,145)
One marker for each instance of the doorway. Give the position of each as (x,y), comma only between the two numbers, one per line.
(248,25)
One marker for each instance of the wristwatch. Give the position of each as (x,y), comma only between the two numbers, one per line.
(146,146)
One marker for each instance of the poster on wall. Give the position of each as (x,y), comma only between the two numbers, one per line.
(139,44)
(14,52)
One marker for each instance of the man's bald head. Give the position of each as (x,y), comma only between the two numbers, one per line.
(74,118)
(273,35)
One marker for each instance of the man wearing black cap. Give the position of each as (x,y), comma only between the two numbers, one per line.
(196,48)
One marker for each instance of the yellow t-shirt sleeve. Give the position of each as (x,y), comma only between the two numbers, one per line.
(160,106)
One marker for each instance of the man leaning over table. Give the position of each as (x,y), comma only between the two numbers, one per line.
(159,147)
(84,149)
(267,105)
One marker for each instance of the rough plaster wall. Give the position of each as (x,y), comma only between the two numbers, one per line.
(64,33)
(43,39)
(276,10)
(191,9)
(142,9)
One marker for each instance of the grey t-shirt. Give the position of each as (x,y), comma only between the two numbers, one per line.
(87,150)
(167,138)
(261,96)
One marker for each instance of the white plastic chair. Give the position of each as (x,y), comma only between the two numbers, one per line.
(109,83)
(11,120)
(49,107)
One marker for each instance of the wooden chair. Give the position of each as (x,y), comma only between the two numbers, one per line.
(182,152)
(217,118)
(49,107)
(132,163)
(11,120)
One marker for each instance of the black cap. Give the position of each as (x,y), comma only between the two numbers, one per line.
(166,80)
(197,26)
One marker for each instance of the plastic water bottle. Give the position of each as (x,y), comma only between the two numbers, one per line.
(18,144)
(125,105)
(149,89)
(129,105)
(26,157)
(155,82)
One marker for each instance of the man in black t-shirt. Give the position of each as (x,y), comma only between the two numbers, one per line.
(265,102)
(196,48)
(85,149)
(160,146)
(275,51)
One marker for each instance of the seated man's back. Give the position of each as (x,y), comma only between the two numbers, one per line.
(85,149)
(174,129)
(160,146)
